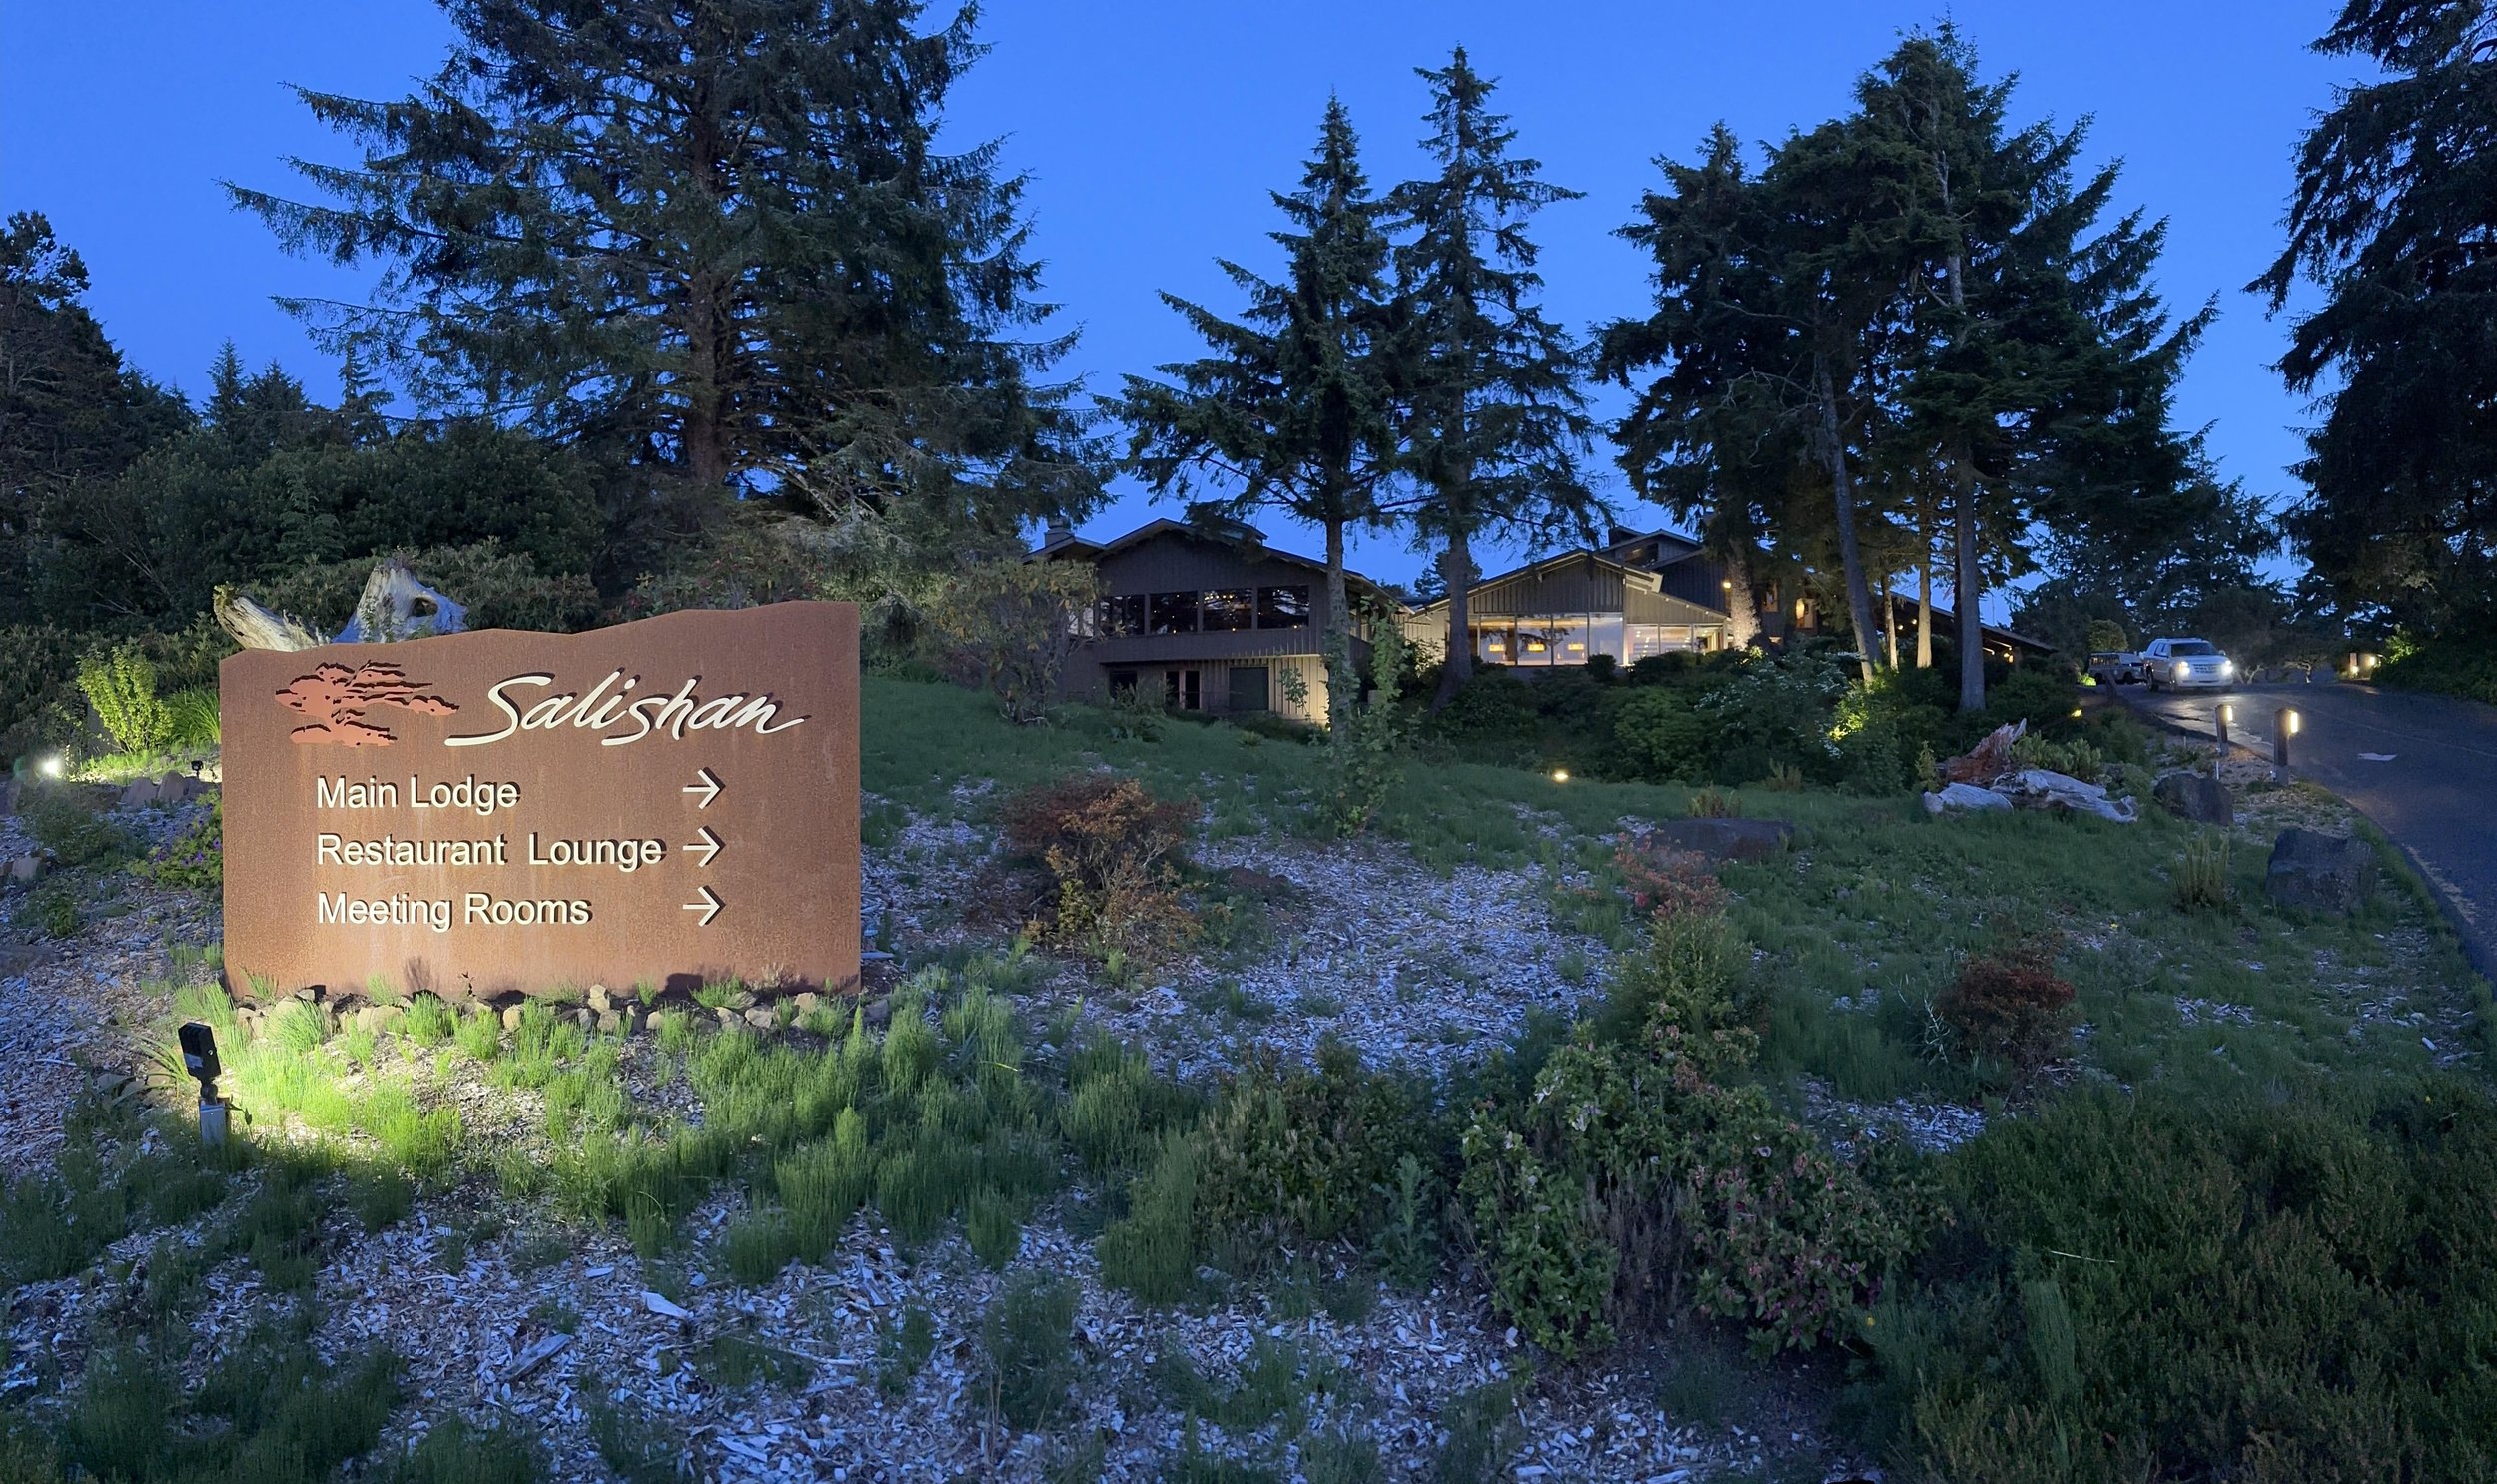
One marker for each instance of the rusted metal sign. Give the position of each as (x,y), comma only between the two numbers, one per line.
(663,801)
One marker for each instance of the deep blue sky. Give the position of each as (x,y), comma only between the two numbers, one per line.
(1153,131)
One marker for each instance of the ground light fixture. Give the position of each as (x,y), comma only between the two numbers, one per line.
(1560,775)
(51,767)
(2226,716)
(199,1057)
(2284,725)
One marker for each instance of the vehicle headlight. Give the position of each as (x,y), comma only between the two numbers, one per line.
(2228,667)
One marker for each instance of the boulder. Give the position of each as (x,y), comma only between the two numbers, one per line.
(2315,872)
(1963,797)
(26,870)
(177,788)
(2040,788)
(1719,839)
(138,794)
(2198,797)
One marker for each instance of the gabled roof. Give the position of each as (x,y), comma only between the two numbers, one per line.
(1248,540)
(1638,579)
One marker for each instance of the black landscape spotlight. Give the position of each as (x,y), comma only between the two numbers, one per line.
(199,1057)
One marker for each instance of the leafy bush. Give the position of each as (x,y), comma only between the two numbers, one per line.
(121,685)
(2075,758)
(1114,851)
(500,587)
(52,909)
(1775,711)
(1303,1154)
(1661,737)
(1365,750)
(2453,663)
(1669,883)
(2287,1289)
(75,835)
(1009,628)
(38,687)
(2008,1006)
(1715,803)
(1638,1174)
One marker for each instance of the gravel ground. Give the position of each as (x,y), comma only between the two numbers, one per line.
(501,1312)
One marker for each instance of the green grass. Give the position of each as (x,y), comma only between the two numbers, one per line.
(926,739)
(1880,908)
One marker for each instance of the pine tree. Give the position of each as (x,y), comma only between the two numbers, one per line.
(1707,438)
(713,237)
(1291,408)
(2395,219)
(2028,357)
(1495,417)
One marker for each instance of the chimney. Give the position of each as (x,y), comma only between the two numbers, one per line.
(1057,533)
(1621,537)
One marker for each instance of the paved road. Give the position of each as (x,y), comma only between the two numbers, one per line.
(2423,767)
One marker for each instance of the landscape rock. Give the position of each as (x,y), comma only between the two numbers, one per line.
(2040,788)
(762,1019)
(1963,796)
(512,1017)
(26,869)
(1720,838)
(138,794)
(2317,872)
(599,999)
(2198,797)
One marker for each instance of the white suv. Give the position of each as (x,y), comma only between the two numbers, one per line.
(2189,664)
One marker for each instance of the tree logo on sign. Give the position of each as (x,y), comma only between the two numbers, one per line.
(335,698)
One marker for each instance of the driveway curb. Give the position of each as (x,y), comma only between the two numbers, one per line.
(2476,945)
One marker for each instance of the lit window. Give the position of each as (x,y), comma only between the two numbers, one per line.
(1174,613)
(1228,609)
(1283,607)
(1123,616)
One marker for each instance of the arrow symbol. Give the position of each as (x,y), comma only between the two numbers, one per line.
(708,845)
(709,907)
(705,785)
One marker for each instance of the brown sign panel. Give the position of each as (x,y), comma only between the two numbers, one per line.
(480,813)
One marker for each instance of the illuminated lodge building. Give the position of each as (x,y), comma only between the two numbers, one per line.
(1215,620)
(1639,596)
(1210,619)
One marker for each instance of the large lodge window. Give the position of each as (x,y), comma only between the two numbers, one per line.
(1283,607)
(1228,609)
(1174,613)
(1215,610)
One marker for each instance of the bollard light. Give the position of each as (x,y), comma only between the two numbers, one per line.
(2295,721)
(2285,724)
(1560,775)
(2228,716)
(199,1057)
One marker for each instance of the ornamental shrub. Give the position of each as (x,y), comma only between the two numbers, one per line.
(121,685)
(1302,1155)
(1114,851)
(2008,1006)
(1637,1175)
(1661,738)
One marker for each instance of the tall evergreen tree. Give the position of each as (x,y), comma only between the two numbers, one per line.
(2395,219)
(714,237)
(1495,414)
(2033,362)
(1291,408)
(71,413)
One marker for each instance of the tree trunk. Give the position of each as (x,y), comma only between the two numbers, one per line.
(1338,632)
(1457,567)
(1889,625)
(1742,606)
(1843,494)
(1925,587)
(1967,591)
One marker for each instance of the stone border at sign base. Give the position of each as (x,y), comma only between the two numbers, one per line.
(662,803)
